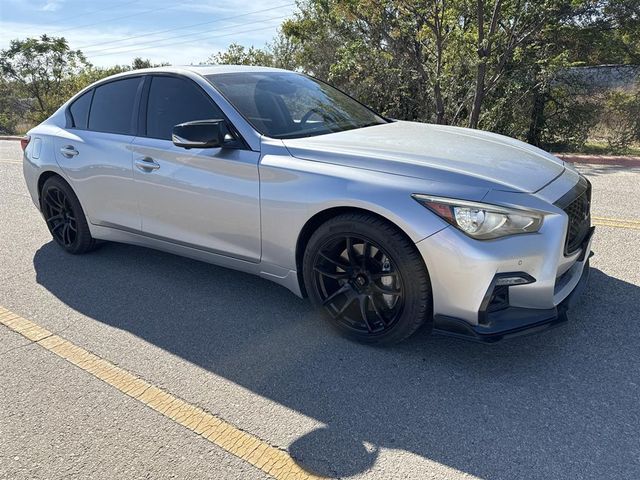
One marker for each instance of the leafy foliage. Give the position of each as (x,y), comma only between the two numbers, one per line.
(621,118)
(489,64)
(494,64)
(40,74)
(39,69)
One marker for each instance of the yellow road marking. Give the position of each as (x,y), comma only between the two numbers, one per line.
(617,225)
(630,226)
(275,462)
(617,220)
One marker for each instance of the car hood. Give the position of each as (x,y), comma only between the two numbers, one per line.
(436,153)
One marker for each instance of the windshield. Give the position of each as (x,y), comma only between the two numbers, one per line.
(290,105)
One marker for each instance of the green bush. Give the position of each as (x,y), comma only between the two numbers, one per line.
(570,121)
(620,118)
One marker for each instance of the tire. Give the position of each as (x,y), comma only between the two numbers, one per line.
(65,218)
(383,281)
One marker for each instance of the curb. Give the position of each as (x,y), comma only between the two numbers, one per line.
(612,160)
(10,137)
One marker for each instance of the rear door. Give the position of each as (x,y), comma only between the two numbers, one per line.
(202,198)
(95,151)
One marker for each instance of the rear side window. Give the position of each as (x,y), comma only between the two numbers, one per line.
(79,111)
(112,109)
(175,100)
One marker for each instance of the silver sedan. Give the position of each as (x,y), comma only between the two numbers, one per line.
(387,226)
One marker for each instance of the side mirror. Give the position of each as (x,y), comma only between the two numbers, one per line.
(199,134)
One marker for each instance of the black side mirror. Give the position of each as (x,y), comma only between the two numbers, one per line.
(200,134)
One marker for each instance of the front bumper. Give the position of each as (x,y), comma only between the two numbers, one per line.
(463,273)
(512,321)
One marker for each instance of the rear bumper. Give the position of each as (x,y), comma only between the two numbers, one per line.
(513,321)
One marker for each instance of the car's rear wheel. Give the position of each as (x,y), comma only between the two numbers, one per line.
(368,278)
(64,216)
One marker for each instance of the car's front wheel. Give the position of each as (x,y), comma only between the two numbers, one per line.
(368,277)
(64,216)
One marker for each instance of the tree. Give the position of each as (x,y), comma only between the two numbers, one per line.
(89,75)
(40,69)
(12,108)
(499,65)
(373,49)
(604,32)
(238,55)
(139,63)
(432,20)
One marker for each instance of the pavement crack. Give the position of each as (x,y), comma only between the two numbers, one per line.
(13,349)
(15,275)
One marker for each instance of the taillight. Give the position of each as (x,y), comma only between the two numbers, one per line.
(24,141)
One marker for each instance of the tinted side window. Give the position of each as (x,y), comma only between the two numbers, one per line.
(175,100)
(80,110)
(112,107)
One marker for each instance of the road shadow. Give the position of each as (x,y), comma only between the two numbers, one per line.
(596,170)
(562,404)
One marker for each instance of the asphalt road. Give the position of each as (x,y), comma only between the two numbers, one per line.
(562,404)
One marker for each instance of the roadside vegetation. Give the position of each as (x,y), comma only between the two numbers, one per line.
(515,67)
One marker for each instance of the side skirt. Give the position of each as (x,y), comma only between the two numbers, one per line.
(282,276)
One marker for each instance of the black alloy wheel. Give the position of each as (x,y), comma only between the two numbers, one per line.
(358,284)
(60,217)
(368,278)
(64,216)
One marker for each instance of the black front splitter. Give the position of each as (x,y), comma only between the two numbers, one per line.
(512,321)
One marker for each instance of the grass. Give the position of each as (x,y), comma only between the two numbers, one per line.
(602,148)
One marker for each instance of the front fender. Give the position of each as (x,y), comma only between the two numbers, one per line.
(293,190)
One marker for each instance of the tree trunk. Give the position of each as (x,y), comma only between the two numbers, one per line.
(478,98)
(484,52)
(437,90)
(536,121)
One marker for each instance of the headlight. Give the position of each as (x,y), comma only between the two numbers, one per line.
(481,220)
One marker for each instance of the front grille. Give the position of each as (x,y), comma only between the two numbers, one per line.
(579,212)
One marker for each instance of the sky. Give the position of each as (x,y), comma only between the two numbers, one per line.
(113,32)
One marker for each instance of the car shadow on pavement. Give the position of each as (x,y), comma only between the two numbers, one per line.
(595,170)
(562,404)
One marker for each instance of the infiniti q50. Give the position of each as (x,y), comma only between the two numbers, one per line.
(386,226)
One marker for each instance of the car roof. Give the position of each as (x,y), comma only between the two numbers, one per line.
(211,69)
(189,70)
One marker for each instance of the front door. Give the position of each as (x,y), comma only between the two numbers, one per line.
(202,198)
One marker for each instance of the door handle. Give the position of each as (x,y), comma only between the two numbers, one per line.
(69,151)
(147,164)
